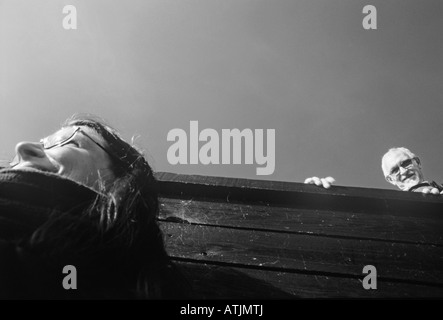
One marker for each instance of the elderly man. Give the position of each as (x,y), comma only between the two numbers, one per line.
(402,168)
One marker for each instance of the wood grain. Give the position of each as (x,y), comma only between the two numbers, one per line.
(239,238)
(305,221)
(304,253)
(221,282)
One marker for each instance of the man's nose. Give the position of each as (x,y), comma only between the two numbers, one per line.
(27,151)
(403,170)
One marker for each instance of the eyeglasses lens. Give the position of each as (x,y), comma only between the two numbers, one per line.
(59,138)
(404,164)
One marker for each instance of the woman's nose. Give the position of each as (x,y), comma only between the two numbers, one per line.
(27,151)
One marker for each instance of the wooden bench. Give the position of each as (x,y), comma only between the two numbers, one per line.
(251,239)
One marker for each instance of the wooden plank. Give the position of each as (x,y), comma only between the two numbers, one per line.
(280,251)
(319,222)
(275,231)
(221,282)
(283,186)
(337,198)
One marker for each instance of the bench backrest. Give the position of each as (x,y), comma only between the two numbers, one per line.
(238,238)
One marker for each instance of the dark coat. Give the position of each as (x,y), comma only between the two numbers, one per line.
(33,255)
(419,187)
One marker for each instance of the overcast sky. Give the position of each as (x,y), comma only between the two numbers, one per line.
(337,95)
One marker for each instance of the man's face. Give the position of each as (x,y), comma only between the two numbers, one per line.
(402,170)
(79,159)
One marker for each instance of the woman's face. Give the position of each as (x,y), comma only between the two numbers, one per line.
(78,159)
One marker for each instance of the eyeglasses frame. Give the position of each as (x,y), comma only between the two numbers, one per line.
(392,177)
(65,141)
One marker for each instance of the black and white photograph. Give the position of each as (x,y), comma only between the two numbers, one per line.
(221,154)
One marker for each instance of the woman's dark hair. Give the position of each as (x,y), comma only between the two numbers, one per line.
(119,231)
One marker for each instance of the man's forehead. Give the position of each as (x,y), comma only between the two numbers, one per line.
(392,158)
(397,154)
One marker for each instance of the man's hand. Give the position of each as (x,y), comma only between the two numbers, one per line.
(431,190)
(324,182)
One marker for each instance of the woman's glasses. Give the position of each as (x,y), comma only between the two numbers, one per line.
(59,139)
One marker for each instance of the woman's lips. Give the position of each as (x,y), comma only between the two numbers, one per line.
(33,166)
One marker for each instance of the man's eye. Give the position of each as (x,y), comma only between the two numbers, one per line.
(72,142)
